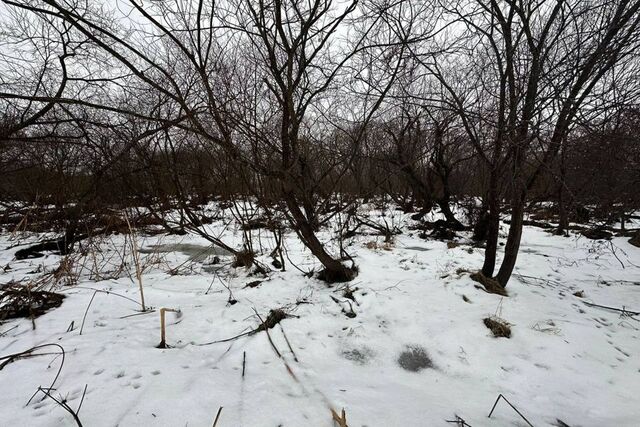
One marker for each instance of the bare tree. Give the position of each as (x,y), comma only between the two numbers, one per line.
(254,78)
(521,73)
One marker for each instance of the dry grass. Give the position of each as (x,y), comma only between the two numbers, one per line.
(244,258)
(499,327)
(340,420)
(275,316)
(374,245)
(22,301)
(490,285)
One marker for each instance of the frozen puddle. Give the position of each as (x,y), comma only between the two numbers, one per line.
(197,253)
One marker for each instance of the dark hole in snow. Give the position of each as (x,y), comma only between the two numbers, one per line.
(414,359)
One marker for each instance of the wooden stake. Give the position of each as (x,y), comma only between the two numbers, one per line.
(163,343)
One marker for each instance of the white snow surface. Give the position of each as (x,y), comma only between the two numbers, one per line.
(565,360)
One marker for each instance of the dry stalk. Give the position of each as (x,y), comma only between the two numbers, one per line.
(215,422)
(136,260)
(341,419)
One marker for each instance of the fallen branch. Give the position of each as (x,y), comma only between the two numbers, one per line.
(622,310)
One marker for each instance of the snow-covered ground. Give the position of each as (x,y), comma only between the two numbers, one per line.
(565,360)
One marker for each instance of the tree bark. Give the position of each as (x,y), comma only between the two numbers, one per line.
(493,227)
(335,271)
(445,206)
(562,203)
(513,240)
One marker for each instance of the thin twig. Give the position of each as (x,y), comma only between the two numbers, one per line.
(459,421)
(29,353)
(288,343)
(66,406)
(266,329)
(7,331)
(215,422)
(613,251)
(87,311)
(623,310)
(513,407)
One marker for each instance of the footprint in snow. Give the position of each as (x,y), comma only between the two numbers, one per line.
(40,404)
(360,356)
(622,351)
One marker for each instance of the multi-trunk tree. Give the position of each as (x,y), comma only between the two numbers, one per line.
(519,76)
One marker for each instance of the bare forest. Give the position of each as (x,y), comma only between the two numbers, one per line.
(438,201)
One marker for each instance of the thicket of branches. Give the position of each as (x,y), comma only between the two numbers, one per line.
(311,106)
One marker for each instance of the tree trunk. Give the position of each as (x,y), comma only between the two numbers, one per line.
(334,270)
(562,208)
(424,191)
(493,227)
(421,189)
(562,204)
(451,219)
(513,240)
